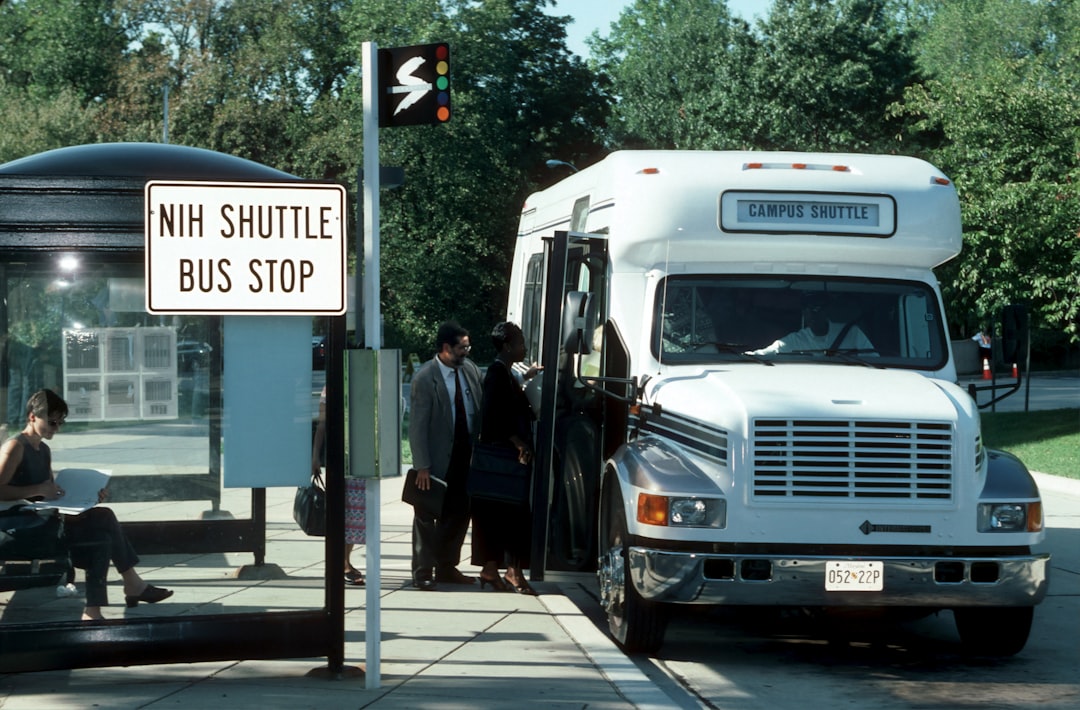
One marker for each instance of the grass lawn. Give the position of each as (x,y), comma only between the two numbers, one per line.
(1046,441)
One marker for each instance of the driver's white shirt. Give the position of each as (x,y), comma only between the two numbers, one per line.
(805,339)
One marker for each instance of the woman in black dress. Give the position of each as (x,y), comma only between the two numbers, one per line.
(502,531)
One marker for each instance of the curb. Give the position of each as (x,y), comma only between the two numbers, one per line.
(1057,484)
(630,682)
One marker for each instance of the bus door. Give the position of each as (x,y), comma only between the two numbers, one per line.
(570,422)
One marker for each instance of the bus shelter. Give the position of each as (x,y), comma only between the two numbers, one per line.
(155,402)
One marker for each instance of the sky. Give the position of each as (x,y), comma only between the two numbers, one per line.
(592,15)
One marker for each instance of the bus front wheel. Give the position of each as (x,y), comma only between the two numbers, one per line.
(636,624)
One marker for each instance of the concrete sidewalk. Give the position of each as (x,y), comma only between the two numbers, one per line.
(454,647)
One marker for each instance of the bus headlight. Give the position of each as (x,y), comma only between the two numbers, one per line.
(1010,517)
(682,512)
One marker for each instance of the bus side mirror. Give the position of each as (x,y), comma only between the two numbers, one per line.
(1014,326)
(578,322)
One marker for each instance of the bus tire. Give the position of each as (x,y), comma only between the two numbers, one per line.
(994,631)
(636,624)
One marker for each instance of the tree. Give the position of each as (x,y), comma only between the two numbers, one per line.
(826,74)
(57,45)
(1005,118)
(250,85)
(815,75)
(31,123)
(678,73)
(58,63)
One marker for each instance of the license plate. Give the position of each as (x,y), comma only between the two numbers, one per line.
(854,576)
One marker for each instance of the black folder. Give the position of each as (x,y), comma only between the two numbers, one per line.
(430,500)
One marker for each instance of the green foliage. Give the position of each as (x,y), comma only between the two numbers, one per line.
(1002,118)
(975,37)
(678,69)
(816,75)
(252,86)
(30,123)
(57,45)
(826,74)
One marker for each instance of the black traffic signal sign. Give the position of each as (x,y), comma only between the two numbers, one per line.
(414,85)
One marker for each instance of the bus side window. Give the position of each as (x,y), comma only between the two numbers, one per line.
(531,323)
(580,214)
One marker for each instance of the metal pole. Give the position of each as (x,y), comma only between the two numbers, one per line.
(372,340)
(165,127)
(335,491)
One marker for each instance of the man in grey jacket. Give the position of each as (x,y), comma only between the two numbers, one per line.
(444,416)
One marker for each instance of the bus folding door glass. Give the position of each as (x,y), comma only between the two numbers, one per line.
(533,303)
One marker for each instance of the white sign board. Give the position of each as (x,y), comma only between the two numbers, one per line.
(245,248)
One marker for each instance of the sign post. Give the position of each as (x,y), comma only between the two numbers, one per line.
(403,86)
(373,341)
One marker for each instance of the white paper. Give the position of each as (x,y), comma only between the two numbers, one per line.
(80,486)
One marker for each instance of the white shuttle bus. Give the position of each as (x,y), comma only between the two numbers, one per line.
(749,396)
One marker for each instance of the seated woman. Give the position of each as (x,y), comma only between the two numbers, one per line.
(94,536)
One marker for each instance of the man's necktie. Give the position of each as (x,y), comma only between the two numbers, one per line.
(461,419)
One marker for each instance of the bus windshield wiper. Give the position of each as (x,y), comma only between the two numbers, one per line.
(740,350)
(851,355)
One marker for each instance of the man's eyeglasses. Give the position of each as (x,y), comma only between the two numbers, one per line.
(466,348)
(55,423)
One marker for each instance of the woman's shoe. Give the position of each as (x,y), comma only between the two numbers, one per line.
(496,583)
(150,595)
(354,577)
(521,587)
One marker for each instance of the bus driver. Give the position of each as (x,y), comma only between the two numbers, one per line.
(819,333)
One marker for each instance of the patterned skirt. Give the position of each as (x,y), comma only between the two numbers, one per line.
(355,511)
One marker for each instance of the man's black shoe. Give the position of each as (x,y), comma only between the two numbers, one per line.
(424,584)
(453,576)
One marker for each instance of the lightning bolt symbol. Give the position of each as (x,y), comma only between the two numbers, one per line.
(415,86)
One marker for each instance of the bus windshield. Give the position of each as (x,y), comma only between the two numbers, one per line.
(702,319)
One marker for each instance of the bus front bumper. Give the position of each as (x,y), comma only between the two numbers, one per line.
(777,580)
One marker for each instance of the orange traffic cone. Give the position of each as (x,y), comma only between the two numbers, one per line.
(986,369)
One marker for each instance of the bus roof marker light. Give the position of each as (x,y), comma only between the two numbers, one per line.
(799,166)
(753,166)
(841,168)
(939,181)
(649,171)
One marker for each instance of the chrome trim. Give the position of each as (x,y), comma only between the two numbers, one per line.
(679,577)
(709,441)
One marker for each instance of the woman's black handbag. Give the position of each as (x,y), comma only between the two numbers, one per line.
(31,534)
(309,509)
(496,474)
